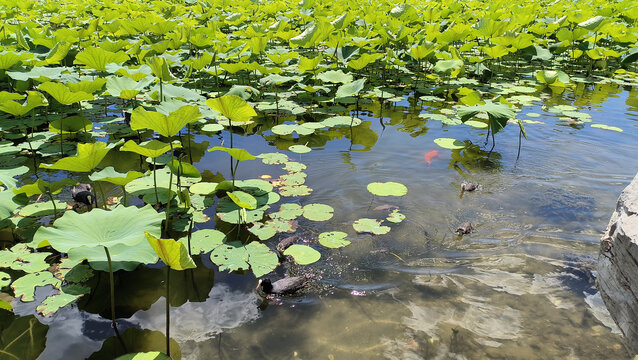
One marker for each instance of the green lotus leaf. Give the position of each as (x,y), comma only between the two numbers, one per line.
(204,188)
(299,149)
(387,189)
(395,216)
(39,73)
(449,143)
(448,66)
(98,58)
(19,257)
(288,212)
(204,240)
(235,256)
(318,212)
(7,175)
(303,254)
(309,64)
(232,107)
(5,279)
(498,114)
(87,158)
(293,166)
(228,212)
(335,77)
(255,187)
(371,226)
(273,158)
(43,187)
(164,125)
(97,228)
(125,87)
(10,202)
(333,239)
(152,149)
(173,253)
(24,287)
(152,355)
(9,59)
(109,174)
(123,257)
(212,127)
(22,337)
(236,153)
(63,94)
(553,78)
(592,23)
(243,199)
(606,127)
(297,178)
(341,121)
(55,302)
(42,209)
(71,125)
(184,169)
(477,124)
(87,86)
(351,88)
(300,190)
(34,99)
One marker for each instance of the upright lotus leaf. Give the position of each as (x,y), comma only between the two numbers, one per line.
(236,153)
(592,24)
(44,187)
(334,239)
(173,253)
(87,86)
(97,228)
(10,202)
(309,65)
(183,169)
(152,149)
(350,89)
(70,125)
(9,59)
(389,188)
(498,114)
(98,58)
(63,94)
(303,254)
(243,199)
(109,175)
(87,158)
(335,77)
(553,78)
(34,99)
(7,176)
(164,125)
(56,54)
(126,88)
(23,337)
(232,107)
(453,67)
(160,69)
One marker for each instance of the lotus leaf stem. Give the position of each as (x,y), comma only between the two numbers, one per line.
(170,185)
(168,311)
(112,291)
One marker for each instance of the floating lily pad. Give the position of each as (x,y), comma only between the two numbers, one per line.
(371,226)
(24,287)
(55,302)
(42,208)
(300,190)
(288,212)
(5,279)
(449,143)
(293,166)
(235,256)
(273,158)
(203,188)
(341,121)
(476,124)
(318,212)
(299,149)
(303,254)
(389,188)
(607,127)
(297,178)
(395,216)
(333,239)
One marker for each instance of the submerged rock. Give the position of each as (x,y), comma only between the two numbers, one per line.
(618,264)
(464,228)
(285,286)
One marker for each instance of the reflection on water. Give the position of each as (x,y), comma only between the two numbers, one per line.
(522,286)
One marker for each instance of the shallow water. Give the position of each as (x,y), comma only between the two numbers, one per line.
(521,286)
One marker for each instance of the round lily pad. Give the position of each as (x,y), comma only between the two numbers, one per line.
(273,158)
(371,226)
(389,188)
(333,239)
(476,124)
(303,254)
(607,127)
(449,143)
(301,190)
(299,149)
(318,212)
(293,166)
(203,188)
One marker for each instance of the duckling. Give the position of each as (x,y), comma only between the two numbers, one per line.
(468,186)
(82,194)
(285,286)
(464,228)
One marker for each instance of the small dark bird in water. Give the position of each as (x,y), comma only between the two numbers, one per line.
(285,286)
(286,242)
(82,194)
(469,187)
(464,228)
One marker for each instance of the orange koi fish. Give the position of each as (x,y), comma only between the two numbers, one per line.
(431,155)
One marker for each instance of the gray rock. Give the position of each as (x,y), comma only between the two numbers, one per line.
(618,264)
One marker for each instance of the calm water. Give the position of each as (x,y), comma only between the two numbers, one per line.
(522,286)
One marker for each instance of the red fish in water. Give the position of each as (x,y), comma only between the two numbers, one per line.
(431,155)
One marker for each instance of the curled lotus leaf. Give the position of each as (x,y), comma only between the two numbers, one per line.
(109,175)
(87,158)
(152,149)
(173,253)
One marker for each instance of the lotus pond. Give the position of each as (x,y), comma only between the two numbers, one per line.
(154,154)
